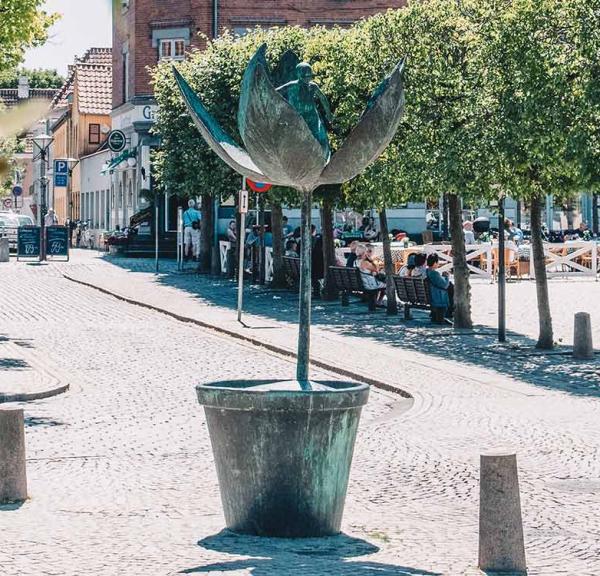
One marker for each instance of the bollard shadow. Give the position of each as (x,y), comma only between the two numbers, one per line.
(31,421)
(11,506)
(297,557)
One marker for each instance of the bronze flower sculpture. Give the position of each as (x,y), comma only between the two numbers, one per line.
(286,144)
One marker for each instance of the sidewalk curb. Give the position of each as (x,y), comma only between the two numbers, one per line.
(248,339)
(29,397)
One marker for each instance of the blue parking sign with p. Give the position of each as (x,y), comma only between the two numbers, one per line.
(61,173)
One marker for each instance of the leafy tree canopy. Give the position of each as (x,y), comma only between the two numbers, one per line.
(23,24)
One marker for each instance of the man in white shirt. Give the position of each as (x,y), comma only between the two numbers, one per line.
(50,219)
(190,216)
(468,232)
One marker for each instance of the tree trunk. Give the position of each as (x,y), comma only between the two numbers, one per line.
(206,232)
(278,280)
(546,336)
(390,288)
(462,287)
(445,217)
(595,229)
(302,372)
(329,292)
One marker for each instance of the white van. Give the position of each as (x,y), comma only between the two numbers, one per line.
(9,223)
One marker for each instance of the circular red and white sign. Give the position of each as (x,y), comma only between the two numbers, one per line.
(7,202)
(259,186)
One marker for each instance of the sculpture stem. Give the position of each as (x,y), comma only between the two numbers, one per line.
(305,292)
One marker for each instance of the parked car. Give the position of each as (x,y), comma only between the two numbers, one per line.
(9,223)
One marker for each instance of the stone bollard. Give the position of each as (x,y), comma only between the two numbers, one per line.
(583,347)
(4,250)
(501,544)
(13,477)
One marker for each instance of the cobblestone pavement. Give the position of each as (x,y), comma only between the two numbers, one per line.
(120,471)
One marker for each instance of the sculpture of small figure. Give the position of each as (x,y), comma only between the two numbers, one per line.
(305,97)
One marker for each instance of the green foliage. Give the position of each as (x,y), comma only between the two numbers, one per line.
(529,69)
(585,136)
(38,78)
(22,25)
(501,95)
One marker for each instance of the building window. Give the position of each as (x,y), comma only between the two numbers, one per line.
(94,133)
(171,49)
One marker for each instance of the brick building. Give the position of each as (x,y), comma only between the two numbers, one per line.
(145,31)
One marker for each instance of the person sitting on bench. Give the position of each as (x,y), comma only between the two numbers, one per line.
(438,284)
(369,272)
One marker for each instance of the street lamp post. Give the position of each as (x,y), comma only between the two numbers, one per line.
(501,273)
(42,142)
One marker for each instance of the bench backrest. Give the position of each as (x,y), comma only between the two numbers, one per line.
(413,290)
(346,279)
(291,267)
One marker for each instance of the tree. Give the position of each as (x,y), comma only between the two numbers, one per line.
(38,78)
(22,25)
(528,53)
(441,147)
(585,141)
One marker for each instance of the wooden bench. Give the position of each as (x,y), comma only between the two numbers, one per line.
(291,267)
(349,281)
(413,293)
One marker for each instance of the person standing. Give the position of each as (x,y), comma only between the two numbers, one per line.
(468,232)
(190,216)
(50,219)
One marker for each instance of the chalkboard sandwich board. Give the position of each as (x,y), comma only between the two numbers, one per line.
(29,240)
(57,242)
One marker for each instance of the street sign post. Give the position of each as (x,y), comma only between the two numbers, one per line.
(57,242)
(117,141)
(259,186)
(241,237)
(29,242)
(61,173)
(16,192)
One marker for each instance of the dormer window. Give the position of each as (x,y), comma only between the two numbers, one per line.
(171,49)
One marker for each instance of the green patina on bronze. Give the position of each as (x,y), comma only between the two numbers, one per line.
(305,96)
(284,131)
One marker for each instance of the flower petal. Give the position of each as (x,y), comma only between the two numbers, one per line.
(219,141)
(276,136)
(374,131)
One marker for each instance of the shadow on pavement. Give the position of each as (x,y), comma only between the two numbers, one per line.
(13,364)
(275,556)
(31,421)
(556,370)
(12,506)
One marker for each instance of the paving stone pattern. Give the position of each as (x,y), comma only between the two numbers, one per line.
(121,474)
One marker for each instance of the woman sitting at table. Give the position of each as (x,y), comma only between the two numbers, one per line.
(439,285)
(369,272)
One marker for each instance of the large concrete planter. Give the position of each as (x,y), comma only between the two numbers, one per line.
(283,455)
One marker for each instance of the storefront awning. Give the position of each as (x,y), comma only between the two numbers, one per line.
(117,160)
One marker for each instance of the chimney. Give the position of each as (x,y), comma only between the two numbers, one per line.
(23,91)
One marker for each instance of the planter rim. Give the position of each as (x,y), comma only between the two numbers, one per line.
(255,395)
